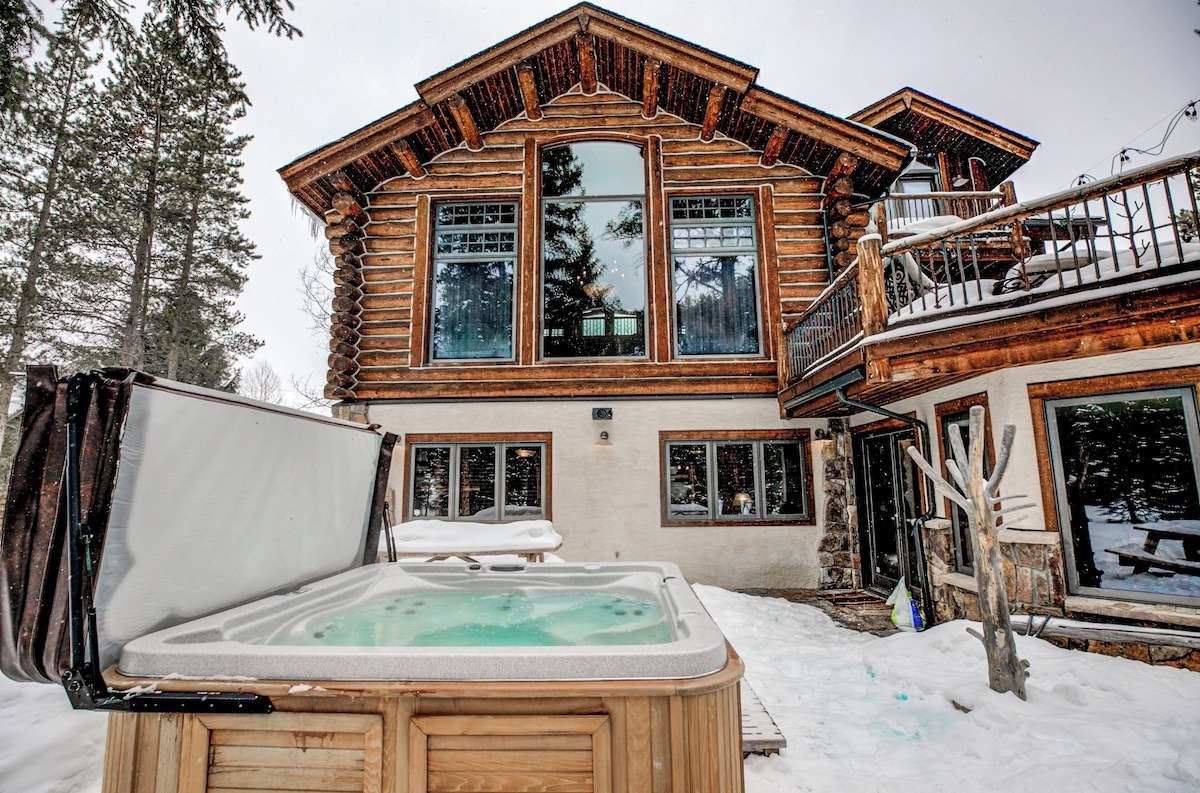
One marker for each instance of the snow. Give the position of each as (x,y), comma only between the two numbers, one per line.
(920,226)
(1107,533)
(455,537)
(860,713)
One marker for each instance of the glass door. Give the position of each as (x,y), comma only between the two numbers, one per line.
(888,501)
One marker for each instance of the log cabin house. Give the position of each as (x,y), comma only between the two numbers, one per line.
(599,274)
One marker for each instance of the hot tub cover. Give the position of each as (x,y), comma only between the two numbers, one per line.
(196,501)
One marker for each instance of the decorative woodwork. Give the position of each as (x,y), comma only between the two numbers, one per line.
(650,75)
(465,121)
(402,737)
(408,158)
(712,112)
(529,94)
(774,146)
(585,45)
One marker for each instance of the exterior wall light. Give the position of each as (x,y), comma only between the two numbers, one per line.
(603,440)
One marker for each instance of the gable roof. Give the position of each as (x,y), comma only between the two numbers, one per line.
(934,125)
(548,59)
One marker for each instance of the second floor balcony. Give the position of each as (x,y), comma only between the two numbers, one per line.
(1103,267)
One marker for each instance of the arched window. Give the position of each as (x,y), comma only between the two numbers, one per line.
(593,251)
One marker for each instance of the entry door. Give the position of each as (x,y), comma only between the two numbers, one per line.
(887,505)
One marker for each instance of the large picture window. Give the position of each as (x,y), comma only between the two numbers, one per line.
(593,251)
(715,265)
(474,255)
(477,481)
(725,478)
(1126,469)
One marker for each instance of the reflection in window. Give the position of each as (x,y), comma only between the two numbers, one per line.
(1126,468)
(431,482)
(474,258)
(491,481)
(750,480)
(593,250)
(715,273)
(476,481)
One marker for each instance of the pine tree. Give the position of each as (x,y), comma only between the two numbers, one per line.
(167,211)
(45,150)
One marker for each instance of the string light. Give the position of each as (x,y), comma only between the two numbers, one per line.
(1188,111)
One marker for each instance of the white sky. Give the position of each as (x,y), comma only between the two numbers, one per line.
(1084,78)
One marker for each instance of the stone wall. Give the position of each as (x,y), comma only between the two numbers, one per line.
(838,553)
(1034,574)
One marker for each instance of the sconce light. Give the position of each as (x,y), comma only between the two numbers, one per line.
(603,439)
(961,181)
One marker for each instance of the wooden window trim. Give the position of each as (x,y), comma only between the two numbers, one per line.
(651,147)
(420,355)
(884,425)
(803,436)
(1039,393)
(415,438)
(766,317)
(953,407)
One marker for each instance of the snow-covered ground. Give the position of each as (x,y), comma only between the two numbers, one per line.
(861,714)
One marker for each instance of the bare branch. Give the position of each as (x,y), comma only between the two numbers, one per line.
(993,482)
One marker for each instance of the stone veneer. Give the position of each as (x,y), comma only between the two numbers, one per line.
(837,552)
(1034,574)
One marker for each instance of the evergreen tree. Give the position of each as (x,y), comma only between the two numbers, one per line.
(167,209)
(46,153)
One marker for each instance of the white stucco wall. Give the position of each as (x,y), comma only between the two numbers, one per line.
(606,499)
(1008,403)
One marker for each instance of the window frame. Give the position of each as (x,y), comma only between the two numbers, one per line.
(647,247)
(749,250)
(1053,466)
(713,438)
(947,411)
(434,258)
(456,441)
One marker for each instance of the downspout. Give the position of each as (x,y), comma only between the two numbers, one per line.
(927,496)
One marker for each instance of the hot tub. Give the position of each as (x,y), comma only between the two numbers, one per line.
(222,602)
(452,622)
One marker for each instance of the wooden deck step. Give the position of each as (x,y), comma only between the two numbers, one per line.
(760,735)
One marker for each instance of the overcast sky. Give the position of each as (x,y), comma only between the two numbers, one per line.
(1084,78)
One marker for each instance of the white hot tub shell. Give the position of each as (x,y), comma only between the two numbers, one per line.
(235,642)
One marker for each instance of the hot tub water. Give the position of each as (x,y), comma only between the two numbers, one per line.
(483,619)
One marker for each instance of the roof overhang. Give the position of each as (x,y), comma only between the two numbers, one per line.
(551,51)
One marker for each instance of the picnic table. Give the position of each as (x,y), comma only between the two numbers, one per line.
(1147,557)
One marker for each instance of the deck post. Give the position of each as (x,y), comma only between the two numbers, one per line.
(1017,232)
(870,285)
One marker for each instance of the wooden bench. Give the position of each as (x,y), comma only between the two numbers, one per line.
(760,734)
(1141,561)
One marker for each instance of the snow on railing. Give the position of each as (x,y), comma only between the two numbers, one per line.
(1125,227)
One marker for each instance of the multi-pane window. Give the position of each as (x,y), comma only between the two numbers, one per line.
(1126,473)
(964,548)
(715,265)
(593,251)
(736,480)
(474,257)
(477,481)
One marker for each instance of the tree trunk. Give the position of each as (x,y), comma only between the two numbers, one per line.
(28,294)
(184,282)
(132,340)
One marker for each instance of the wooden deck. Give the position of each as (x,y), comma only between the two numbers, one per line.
(760,734)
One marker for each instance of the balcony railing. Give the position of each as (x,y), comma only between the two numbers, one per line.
(1100,235)
(906,210)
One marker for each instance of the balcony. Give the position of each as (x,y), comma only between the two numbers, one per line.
(1104,267)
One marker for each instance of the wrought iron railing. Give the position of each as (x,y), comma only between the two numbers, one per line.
(904,210)
(1099,235)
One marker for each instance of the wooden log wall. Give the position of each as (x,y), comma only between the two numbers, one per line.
(380,317)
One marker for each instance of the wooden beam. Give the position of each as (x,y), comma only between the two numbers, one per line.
(337,155)
(345,205)
(465,121)
(529,95)
(408,158)
(870,286)
(342,182)
(774,146)
(585,44)
(712,112)
(866,143)
(650,74)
